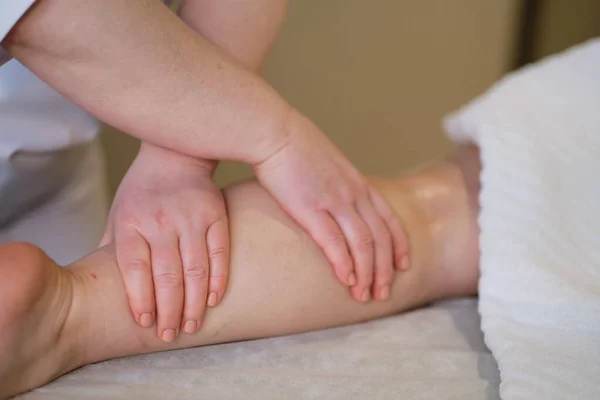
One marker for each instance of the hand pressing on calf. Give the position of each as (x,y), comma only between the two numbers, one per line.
(357,230)
(170,228)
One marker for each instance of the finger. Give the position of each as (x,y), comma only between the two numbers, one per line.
(384,264)
(327,234)
(133,259)
(168,283)
(394,225)
(217,239)
(360,242)
(194,257)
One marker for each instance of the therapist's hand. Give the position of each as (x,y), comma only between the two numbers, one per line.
(169,224)
(357,230)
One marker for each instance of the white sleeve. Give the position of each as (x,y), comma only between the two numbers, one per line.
(10,12)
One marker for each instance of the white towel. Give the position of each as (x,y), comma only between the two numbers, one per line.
(539,135)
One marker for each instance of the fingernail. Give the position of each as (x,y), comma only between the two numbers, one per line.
(351,279)
(384,292)
(366,295)
(190,326)
(168,335)
(404,262)
(146,320)
(212,299)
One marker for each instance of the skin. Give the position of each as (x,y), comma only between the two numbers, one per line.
(138,67)
(170,228)
(172,254)
(59,319)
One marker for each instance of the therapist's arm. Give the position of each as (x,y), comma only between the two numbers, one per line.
(173,186)
(138,67)
(244,29)
(135,65)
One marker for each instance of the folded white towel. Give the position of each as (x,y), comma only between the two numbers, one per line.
(539,135)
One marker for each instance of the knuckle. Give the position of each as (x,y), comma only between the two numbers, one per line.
(340,197)
(168,280)
(196,272)
(362,190)
(185,213)
(336,239)
(382,236)
(160,217)
(381,205)
(364,241)
(346,195)
(386,212)
(324,202)
(162,220)
(217,252)
(137,265)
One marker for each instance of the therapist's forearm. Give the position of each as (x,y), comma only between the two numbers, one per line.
(244,29)
(136,66)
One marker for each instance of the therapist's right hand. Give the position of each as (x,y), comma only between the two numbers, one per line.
(359,233)
(169,224)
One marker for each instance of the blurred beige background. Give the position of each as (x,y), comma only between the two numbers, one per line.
(378,75)
(565,23)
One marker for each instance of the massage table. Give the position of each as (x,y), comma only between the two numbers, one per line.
(436,352)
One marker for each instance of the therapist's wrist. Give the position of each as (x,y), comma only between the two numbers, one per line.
(281,137)
(157,155)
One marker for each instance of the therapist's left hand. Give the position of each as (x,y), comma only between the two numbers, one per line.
(170,228)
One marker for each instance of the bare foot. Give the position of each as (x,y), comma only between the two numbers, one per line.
(35,297)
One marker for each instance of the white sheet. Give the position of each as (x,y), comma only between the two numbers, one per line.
(539,135)
(432,353)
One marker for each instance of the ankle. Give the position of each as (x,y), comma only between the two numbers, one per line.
(72,328)
(98,331)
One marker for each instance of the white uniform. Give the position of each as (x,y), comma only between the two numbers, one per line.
(52,176)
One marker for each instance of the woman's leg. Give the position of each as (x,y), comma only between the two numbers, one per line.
(280,283)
